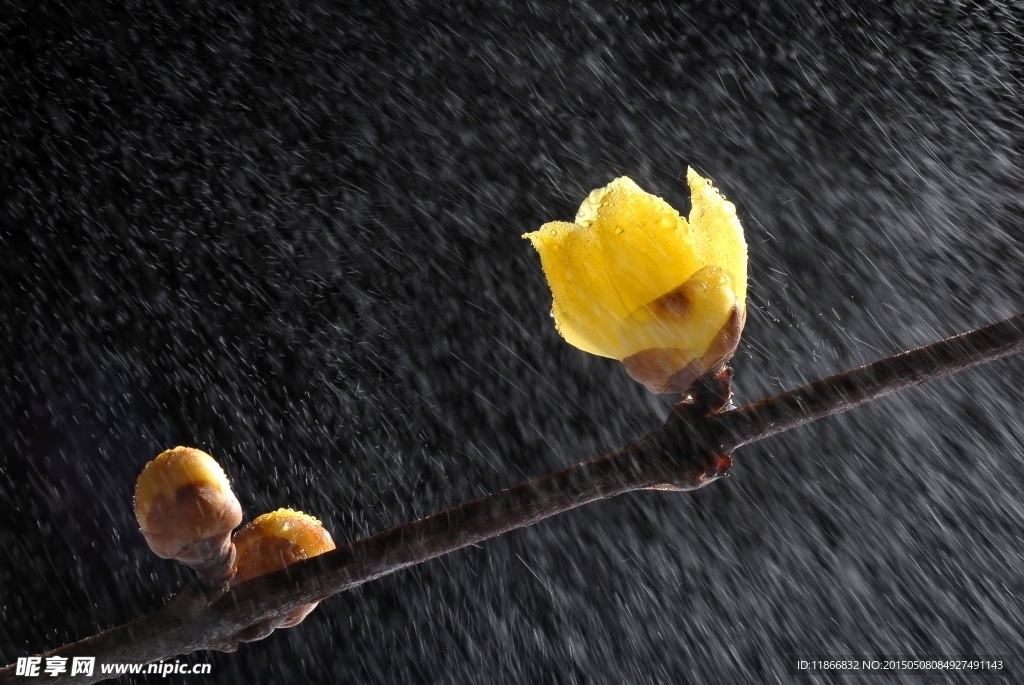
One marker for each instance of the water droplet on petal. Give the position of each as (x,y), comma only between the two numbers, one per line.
(618,230)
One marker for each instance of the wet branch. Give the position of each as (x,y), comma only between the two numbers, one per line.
(689,451)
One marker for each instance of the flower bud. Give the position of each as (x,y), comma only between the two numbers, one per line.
(275,540)
(633,280)
(186,509)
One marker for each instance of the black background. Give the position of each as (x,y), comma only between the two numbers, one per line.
(289,234)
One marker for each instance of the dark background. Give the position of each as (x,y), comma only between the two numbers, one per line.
(289,234)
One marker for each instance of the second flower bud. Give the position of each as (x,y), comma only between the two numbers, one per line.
(275,540)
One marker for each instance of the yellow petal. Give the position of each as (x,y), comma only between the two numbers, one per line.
(718,236)
(586,307)
(687,318)
(645,243)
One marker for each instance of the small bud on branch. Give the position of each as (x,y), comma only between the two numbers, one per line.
(187,510)
(271,542)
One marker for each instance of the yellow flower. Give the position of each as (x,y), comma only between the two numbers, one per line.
(275,540)
(185,506)
(633,280)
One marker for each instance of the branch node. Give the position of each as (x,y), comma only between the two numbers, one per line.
(691,456)
(712,391)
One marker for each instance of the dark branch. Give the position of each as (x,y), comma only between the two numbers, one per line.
(689,451)
(836,394)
